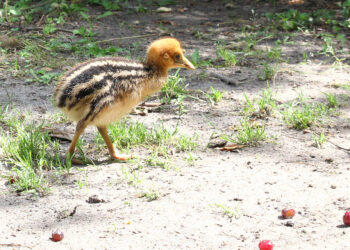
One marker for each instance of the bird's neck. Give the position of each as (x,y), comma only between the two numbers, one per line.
(160,68)
(153,85)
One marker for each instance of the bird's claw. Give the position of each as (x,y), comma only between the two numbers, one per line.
(77,161)
(122,157)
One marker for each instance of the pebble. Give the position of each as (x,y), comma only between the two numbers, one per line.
(290,223)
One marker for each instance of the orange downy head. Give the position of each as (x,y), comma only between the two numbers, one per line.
(167,53)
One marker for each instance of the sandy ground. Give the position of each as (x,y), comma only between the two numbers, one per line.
(254,183)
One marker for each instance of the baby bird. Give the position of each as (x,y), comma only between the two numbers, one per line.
(100,91)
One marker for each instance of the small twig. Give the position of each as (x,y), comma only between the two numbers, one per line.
(150,104)
(125,38)
(346,149)
(43,47)
(42,19)
(37,5)
(74,210)
(225,79)
(35,28)
(40,28)
(11,245)
(5,9)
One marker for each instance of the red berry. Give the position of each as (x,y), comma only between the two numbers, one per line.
(12,179)
(57,236)
(265,245)
(288,213)
(346,218)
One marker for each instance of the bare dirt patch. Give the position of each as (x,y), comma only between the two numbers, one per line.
(220,200)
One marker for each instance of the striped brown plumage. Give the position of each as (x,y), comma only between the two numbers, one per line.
(92,86)
(100,91)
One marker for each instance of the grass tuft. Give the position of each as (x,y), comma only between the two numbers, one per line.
(214,96)
(174,88)
(126,135)
(248,133)
(301,114)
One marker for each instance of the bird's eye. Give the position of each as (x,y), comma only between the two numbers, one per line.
(177,57)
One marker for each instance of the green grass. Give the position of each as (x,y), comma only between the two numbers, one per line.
(274,54)
(294,19)
(174,88)
(228,211)
(159,158)
(319,140)
(131,176)
(267,72)
(229,56)
(42,76)
(197,61)
(260,107)
(30,152)
(214,96)
(332,101)
(150,195)
(301,114)
(248,133)
(186,143)
(191,159)
(126,135)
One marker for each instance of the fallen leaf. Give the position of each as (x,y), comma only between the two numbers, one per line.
(166,22)
(151,104)
(182,10)
(229,6)
(296,2)
(217,143)
(46,69)
(95,199)
(232,147)
(10,42)
(164,10)
(55,133)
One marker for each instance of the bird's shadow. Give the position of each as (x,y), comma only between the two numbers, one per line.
(343,226)
(85,162)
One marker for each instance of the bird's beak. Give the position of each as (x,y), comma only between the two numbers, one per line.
(187,64)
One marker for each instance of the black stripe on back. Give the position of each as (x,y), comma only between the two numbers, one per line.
(90,90)
(88,74)
(116,89)
(100,59)
(102,83)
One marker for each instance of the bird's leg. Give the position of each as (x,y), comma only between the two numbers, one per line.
(78,131)
(104,133)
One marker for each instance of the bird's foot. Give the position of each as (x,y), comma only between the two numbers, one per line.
(122,157)
(77,161)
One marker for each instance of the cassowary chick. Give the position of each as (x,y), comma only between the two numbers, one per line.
(100,91)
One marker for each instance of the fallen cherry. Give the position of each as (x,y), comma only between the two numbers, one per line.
(12,179)
(346,218)
(265,245)
(288,213)
(57,236)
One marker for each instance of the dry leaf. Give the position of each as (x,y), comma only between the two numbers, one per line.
(163,10)
(182,10)
(166,22)
(151,104)
(46,69)
(296,2)
(232,147)
(55,133)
